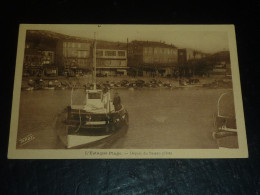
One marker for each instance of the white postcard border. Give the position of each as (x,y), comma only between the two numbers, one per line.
(241,152)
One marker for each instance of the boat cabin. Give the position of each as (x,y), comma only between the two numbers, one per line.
(94,97)
(98,102)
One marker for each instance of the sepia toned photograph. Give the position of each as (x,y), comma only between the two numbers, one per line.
(127,91)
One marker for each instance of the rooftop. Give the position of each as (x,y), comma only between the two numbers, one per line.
(153,44)
(37,35)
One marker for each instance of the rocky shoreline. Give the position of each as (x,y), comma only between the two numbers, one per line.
(56,83)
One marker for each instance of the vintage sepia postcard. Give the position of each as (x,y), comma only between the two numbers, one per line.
(127,91)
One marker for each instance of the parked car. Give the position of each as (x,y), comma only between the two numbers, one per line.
(101,75)
(132,85)
(140,83)
(148,84)
(153,81)
(124,83)
(167,85)
(112,84)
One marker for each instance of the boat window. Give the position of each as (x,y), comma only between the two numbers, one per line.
(94,96)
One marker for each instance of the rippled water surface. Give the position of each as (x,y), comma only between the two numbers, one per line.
(158,118)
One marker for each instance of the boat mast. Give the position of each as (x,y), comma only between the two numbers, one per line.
(94,61)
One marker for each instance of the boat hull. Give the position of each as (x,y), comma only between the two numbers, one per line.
(78,131)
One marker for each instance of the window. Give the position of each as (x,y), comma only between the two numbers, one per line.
(107,62)
(64,44)
(84,45)
(99,53)
(100,62)
(73,45)
(64,53)
(82,62)
(79,54)
(110,53)
(73,53)
(82,54)
(94,96)
(122,63)
(85,54)
(121,53)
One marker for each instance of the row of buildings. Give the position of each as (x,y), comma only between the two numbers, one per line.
(51,53)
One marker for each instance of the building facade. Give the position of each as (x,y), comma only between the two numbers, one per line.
(74,55)
(39,55)
(48,57)
(186,55)
(40,62)
(190,62)
(152,58)
(111,62)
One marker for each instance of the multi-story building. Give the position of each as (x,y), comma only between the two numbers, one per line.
(152,58)
(48,62)
(111,62)
(188,60)
(74,55)
(186,55)
(48,57)
(32,57)
(220,63)
(32,63)
(78,55)
(39,54)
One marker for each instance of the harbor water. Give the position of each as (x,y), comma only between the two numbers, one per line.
(180,118)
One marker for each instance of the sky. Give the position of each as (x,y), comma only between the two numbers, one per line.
(202,39)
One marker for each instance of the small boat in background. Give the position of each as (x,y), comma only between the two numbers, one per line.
(52,88)
(225,122)
(49,86)
(29,88)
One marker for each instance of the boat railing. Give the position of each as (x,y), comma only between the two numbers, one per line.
(122,109)
(218,106)
(77,100)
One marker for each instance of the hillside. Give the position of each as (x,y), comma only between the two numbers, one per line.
(49,36)
(220,56)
